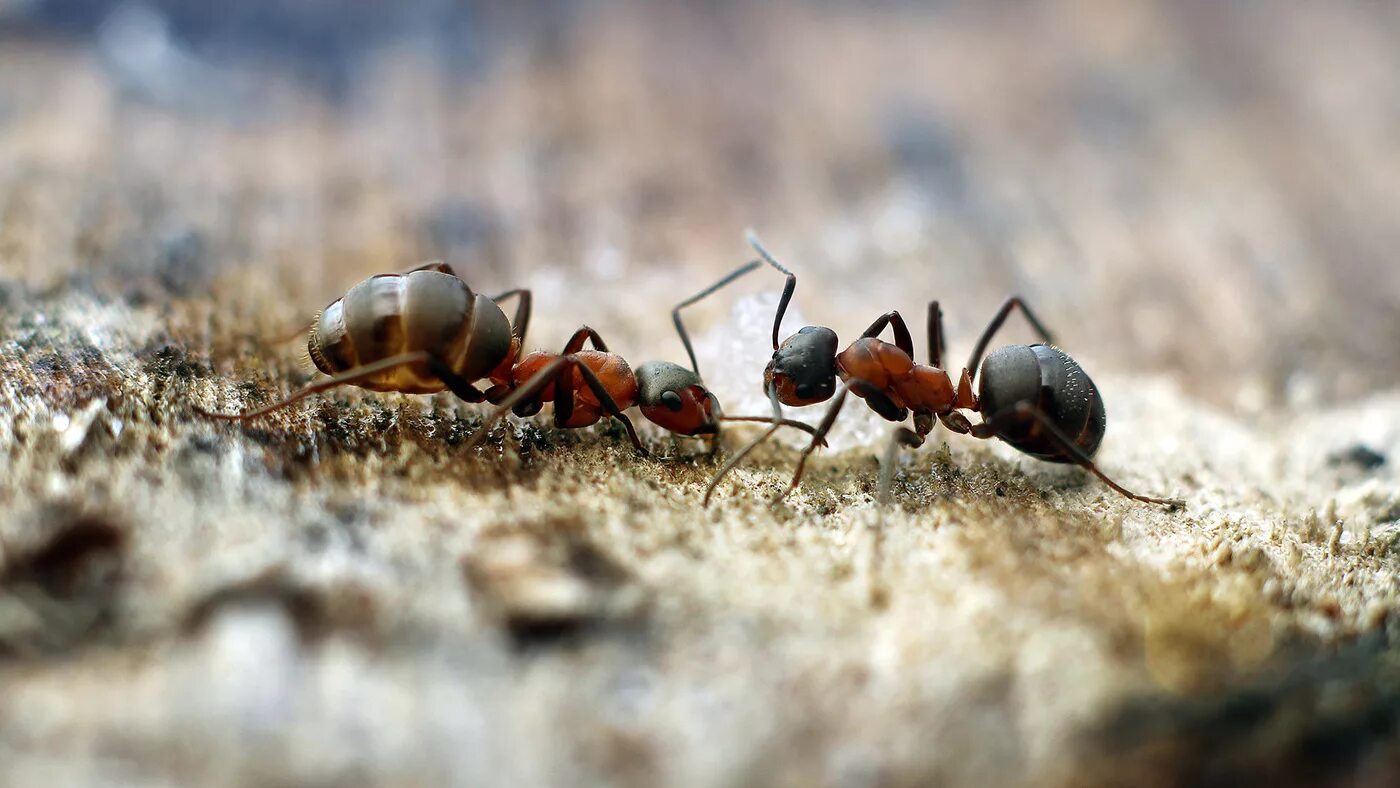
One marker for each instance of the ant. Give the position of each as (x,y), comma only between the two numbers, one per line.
(424,331)
(1034,397)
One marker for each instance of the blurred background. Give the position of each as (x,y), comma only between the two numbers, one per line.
(1201,189)
(1200,197)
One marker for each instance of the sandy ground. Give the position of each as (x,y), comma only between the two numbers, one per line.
(1199,205)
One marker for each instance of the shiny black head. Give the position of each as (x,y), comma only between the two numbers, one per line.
(1050,380)
(803,369)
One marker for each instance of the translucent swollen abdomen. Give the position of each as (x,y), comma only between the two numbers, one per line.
(1046,378)
(392,314)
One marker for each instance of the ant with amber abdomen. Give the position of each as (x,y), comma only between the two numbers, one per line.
(425,331)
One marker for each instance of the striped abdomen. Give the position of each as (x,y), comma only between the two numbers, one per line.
(390,314)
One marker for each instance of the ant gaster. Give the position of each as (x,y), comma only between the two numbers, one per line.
(425,331)
(1034,397)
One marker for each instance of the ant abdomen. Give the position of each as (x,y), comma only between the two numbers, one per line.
(1048,379)
(423,310)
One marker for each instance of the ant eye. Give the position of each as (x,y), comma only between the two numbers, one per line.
(804,390)
(671,400)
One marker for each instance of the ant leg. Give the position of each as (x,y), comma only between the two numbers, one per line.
(564,393)
(822,429)
(1024,410)
(676,312)
(563,384)
(458,385)
(937,343)
(521,321)
(898,436)
(346,378)
(788,287)
(609,404)
(584,333)
(995,326)
(798,425)
(432,265)
(776,422)
(521,394)
(873,396)
(902,339)
(532,387)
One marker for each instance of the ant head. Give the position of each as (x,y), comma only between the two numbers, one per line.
(674,397)
(803,370)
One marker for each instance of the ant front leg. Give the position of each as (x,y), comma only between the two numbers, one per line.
(734,461)
(873,395)
(1020,412)
(820,437)
(998,319)
(899,436)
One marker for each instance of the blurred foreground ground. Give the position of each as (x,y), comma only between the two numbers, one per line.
(1198,197)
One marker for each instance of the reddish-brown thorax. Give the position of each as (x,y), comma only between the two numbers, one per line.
(612,372)
(920,388)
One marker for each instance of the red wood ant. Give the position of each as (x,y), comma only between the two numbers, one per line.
(425,331)
(1039,399)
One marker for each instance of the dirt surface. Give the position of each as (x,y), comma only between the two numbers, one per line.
(1197,197)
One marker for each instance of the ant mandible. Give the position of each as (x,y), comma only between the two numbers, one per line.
(1039,399)
(424,331)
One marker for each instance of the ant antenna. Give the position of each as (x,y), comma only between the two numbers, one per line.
(676,313)
(790,286)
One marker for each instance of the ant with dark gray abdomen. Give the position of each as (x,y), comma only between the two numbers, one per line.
(1034,397)
(425,331)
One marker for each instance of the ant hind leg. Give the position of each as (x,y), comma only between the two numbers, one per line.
(994,326)
(521,322)
(1024,410)
(347,378)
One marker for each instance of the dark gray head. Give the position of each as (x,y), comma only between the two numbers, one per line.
(1047,378)
(675,398)
(803,369)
